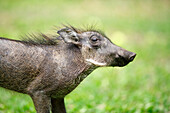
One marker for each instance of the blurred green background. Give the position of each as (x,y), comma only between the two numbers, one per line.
(142,26)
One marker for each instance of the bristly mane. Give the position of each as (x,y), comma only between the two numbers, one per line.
(85,29)
(42,39)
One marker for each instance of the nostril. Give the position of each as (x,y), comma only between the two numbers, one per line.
(132,56)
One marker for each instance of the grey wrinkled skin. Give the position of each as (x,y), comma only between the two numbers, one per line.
(48,72)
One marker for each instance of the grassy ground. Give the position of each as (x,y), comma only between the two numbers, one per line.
(139,26)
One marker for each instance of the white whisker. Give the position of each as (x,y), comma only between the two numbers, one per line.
(95,62)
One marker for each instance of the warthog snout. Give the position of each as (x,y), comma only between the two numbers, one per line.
(124,57)
(132,56)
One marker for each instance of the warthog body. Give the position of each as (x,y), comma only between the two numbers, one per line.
(50,68)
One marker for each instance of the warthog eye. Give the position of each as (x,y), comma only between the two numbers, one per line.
(95,41)
(94,38)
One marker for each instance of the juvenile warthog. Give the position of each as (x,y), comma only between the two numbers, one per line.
(48,68)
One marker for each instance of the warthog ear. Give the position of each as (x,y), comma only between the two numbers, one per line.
(69,35)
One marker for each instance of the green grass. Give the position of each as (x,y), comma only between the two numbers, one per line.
(139,26)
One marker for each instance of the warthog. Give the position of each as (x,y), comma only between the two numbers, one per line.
(48,68)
